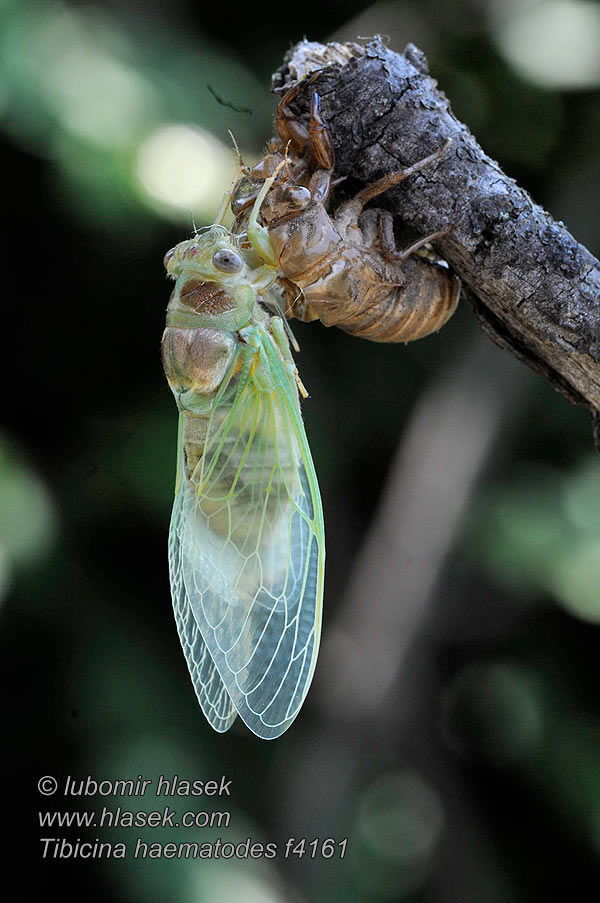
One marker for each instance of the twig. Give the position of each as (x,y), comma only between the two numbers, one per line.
(535,289)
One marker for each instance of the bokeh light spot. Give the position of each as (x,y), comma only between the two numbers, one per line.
(98,97)
(555,43)
(183,167)
(28,520)
(400,822)
(575,579)
(495,710)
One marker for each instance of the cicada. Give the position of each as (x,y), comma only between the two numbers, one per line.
(246,540)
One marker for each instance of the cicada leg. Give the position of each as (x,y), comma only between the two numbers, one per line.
(377,227)
(257,234)
(320,185)
(291,129)
(278,328)
(320,142)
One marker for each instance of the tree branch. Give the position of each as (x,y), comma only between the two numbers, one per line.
(535,289)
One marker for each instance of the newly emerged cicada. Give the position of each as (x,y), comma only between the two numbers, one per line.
(246,542)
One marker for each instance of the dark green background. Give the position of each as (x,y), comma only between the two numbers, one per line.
(477,775)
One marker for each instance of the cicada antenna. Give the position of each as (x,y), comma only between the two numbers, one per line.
(242,169)
(241,163)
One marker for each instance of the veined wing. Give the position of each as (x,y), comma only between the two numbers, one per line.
(249,535)
(214,699)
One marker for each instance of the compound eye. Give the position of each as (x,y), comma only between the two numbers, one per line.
(227,261)
(245,193)
(168,256)
(296,196)
(283,204)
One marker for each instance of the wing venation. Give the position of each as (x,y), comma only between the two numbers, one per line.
(248,556)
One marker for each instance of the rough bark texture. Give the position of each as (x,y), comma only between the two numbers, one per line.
(535,289)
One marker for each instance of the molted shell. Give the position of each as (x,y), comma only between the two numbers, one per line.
(416,299)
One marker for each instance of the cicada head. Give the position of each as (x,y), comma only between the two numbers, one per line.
(212,255)
(212,285)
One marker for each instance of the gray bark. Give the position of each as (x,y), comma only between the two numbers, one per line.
(535,289)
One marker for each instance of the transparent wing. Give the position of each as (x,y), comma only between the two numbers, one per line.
(214,699)
(250,547)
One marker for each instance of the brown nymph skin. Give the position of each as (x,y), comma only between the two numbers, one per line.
(350,278)
(306,152)
(343,269)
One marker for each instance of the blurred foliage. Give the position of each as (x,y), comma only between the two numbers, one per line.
(28,520)
(539,532)
(114,123)
(399,824)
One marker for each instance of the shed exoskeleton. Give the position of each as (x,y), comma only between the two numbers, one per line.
(343,269)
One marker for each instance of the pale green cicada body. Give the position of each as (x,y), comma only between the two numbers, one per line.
(246,542)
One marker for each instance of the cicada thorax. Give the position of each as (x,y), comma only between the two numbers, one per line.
(206,298)
(210,300)
(196,356)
